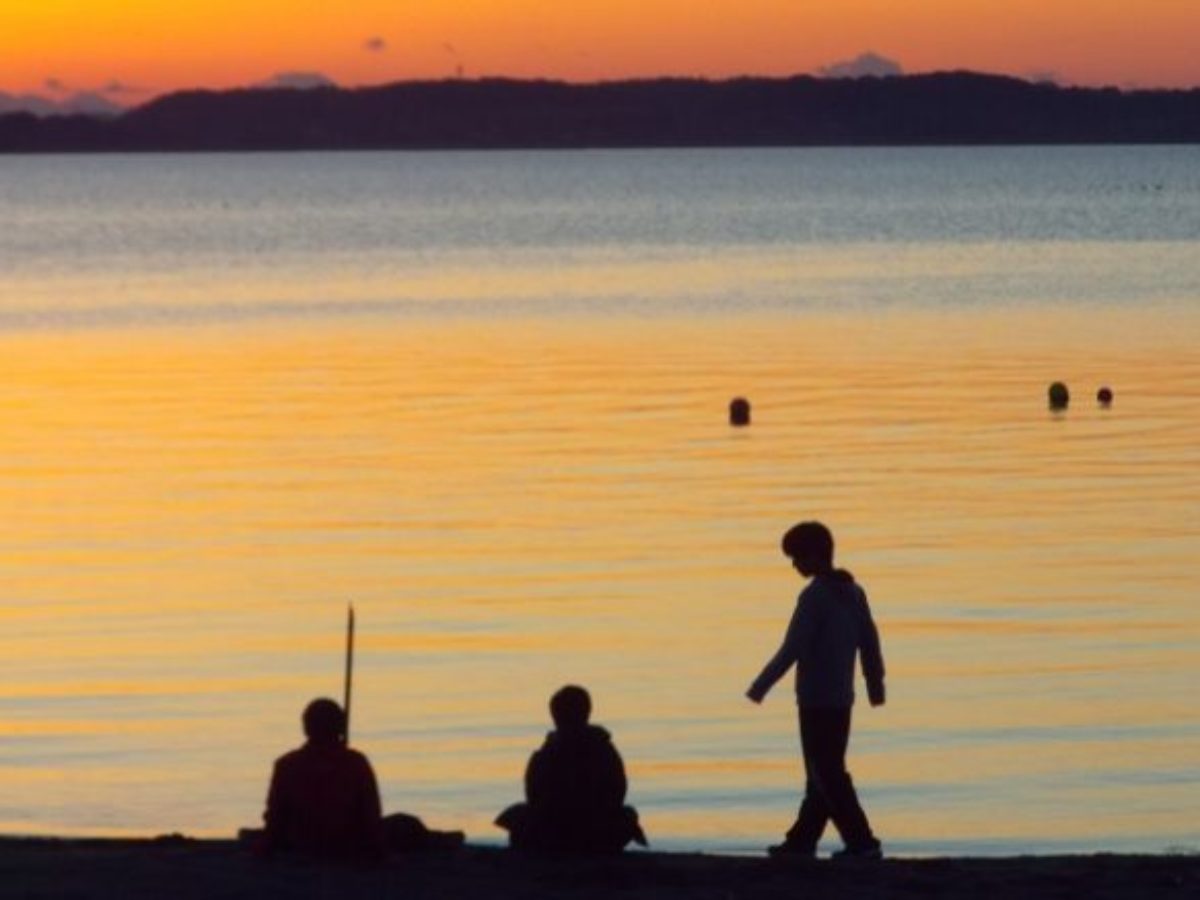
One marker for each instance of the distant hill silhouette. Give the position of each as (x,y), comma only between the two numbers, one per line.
(947,108)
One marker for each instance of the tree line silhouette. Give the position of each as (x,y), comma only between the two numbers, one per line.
(958,108)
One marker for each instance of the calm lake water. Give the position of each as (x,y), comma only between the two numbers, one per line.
(483,396)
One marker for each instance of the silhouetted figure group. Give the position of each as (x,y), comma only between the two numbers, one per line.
(324,800)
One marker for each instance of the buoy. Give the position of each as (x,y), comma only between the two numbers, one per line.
(1059,395)
(1104,396)
(739,411)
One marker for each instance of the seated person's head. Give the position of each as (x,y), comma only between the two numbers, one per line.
(324,721)
(570,708)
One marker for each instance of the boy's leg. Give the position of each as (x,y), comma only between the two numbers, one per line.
(828,736)
(805,833)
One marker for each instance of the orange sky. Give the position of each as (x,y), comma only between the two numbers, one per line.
(158,46)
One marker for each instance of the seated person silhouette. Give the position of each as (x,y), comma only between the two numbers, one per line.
(574,787)
(324,800)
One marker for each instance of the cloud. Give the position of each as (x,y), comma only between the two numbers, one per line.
(115,87)
(91,103)
(865,65)
(300,81)
(375,45)
(82,103)
(30,103)
(1048,76)
(54,85)
(450,50)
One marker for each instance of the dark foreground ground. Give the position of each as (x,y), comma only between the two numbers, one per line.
(180,869)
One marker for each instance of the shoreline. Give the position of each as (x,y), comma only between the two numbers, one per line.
(185,868)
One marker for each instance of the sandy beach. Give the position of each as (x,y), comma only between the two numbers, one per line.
(182,868)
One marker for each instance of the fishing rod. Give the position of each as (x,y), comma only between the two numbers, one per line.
(348,682)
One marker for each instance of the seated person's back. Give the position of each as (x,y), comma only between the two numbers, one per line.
(324,800)
(575,787)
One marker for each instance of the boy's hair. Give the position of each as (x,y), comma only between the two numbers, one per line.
(570,707)
(324,720)
(811,539)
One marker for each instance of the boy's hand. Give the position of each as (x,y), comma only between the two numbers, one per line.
(754,696)
(877,694)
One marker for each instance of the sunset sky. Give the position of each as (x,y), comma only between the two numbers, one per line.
(134,49)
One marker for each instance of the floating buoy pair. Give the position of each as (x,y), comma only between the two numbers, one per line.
(1060,397)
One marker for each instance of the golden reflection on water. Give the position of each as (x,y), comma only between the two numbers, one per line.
(512,504)
(857,275)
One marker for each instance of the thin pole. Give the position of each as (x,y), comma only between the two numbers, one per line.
(349,679)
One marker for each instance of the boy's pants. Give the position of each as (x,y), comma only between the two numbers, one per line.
(828,793)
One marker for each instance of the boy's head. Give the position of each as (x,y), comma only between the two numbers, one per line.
(810,547)
(324,721)
(570,707)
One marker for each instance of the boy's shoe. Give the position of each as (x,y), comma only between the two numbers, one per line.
(865,852)
(791,851)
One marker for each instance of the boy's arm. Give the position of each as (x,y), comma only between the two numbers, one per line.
(617,782)
(793,650)
(370,811)
(535,778)
(871,654)
(372,804)
(275,816)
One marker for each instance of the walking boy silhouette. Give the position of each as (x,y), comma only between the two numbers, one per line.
(831,625)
